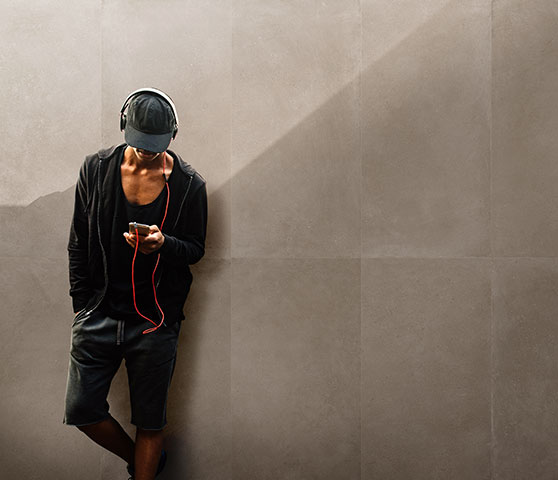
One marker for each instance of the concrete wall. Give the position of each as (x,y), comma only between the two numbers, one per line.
(379,295)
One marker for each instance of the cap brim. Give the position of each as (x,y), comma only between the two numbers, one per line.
(147,141)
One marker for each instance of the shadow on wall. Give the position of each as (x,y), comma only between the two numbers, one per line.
(300,195)
(37,316)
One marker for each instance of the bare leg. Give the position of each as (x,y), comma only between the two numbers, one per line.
(110,435)
(149,444)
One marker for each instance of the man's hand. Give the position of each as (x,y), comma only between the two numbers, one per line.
(147,243)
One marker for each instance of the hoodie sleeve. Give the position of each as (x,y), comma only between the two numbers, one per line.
(188,246)
(80,289)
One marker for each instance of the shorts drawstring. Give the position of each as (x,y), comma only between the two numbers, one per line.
(120,332)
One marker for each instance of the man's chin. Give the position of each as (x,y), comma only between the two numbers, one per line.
(146,156)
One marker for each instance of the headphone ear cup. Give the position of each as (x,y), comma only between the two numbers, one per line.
(175,131)
(122,121)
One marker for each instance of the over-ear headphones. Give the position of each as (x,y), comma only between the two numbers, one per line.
(161,94)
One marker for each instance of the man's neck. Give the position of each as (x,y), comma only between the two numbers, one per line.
(134,162)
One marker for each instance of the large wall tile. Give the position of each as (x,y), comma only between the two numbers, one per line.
(295,135)
(201,399)
(426,379)
(525,172)
(36,329)
(295,361)
(198,432)
(50,95)
(526,370)
(183,48)
(425,128)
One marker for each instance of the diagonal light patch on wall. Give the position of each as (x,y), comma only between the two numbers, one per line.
(294,151)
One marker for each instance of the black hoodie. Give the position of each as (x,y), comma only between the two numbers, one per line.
(90,233)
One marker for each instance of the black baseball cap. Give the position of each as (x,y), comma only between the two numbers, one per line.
(150,123)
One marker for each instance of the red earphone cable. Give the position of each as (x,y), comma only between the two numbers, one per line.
(152,329)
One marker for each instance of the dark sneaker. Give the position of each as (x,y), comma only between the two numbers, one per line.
(160,467)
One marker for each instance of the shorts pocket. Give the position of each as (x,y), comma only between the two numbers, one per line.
(176,326)
(79,316)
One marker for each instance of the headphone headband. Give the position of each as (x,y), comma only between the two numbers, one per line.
(161,94)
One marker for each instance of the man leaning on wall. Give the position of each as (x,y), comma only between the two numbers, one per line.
(139,221)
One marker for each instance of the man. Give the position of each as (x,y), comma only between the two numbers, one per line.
(122,282)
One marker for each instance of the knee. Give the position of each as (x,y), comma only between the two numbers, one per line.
(93,426)
(149,433)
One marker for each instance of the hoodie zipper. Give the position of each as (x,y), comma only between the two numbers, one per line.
(173,227)
(182,203)
(176,222)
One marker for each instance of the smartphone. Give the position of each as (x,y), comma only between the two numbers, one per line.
(142,228)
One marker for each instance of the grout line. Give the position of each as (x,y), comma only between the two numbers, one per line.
(101,59)
(101,73)
(492,374)
(231,106)
(64,257)
(286,257)
(490,237)
(361,256)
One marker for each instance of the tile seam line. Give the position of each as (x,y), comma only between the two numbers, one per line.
(511,257)
(229,259)
(491,240)
(361,261)
(102,134)
(101,74)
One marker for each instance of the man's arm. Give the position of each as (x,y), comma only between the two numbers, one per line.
(80,289)
(188,247)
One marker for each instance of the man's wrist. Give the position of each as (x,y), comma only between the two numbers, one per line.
(164,246)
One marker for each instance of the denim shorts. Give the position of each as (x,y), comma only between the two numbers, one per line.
(98,344)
